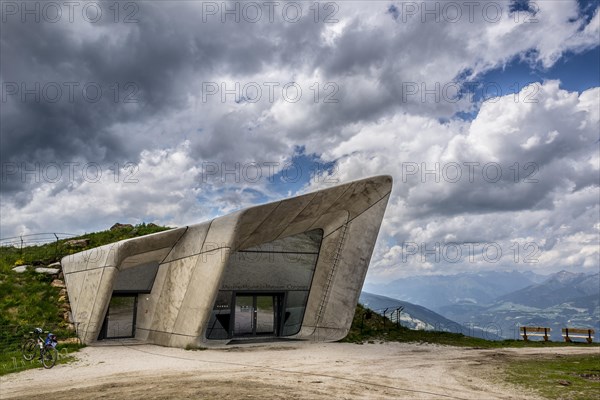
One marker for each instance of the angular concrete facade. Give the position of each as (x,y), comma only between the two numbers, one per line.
(293,268)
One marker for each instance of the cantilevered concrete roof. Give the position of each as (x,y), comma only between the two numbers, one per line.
(192,260)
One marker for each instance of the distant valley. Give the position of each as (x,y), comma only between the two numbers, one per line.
(418,317)
(497,303)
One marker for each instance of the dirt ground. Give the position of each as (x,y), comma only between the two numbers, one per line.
(294,370)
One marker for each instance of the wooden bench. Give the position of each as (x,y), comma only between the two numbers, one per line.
(587,334)
(527,331)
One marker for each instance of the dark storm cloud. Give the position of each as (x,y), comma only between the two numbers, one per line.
(162,59)
(156,63)
(222,143)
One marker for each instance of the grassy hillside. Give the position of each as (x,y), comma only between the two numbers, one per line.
(31,299)
(378,328)
(28,298)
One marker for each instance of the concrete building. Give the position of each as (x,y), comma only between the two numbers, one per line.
(292,269)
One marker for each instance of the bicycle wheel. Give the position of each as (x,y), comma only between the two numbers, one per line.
(49,357)
(29,349)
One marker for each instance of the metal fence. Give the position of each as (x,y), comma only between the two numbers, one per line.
(11,245)
(391,315)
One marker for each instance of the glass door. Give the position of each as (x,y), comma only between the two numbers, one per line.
(256,314)
(120,318)
(244,315)
(265,315)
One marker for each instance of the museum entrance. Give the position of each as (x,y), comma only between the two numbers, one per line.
(257,314)
(119,322)
(264,290)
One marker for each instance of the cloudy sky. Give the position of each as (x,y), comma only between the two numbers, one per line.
(485,113)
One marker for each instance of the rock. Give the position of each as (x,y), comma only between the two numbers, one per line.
(57,283)
(20,269)
(61,276)
(121,226)
(564,382)
(77,242)
(63,292)
(55,265)
(48,271)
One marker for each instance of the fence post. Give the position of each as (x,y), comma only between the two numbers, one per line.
(362,323)
(56,247)
(398,311)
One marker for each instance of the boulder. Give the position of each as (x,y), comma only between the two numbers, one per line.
(48,271)
(55,265)
(57,283)
(121,226)
(20,269)
(77,242)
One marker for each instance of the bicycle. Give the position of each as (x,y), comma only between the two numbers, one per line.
(47,348)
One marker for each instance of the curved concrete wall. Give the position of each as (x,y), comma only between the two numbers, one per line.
(192,261)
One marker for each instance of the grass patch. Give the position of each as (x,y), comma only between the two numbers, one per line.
(12,360)
(27,298)
(195,348)
(378,328)
(559,377)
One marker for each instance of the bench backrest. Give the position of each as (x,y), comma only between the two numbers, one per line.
(578,331)
(533,329)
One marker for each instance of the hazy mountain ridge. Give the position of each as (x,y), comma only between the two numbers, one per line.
(559,288)
(436,291)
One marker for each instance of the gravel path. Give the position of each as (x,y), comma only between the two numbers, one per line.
(294,370)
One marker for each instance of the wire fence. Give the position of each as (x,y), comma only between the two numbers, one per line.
(41,246)
(35,239)
(392,316)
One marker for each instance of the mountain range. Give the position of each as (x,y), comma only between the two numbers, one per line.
(435,291)
(501,302)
